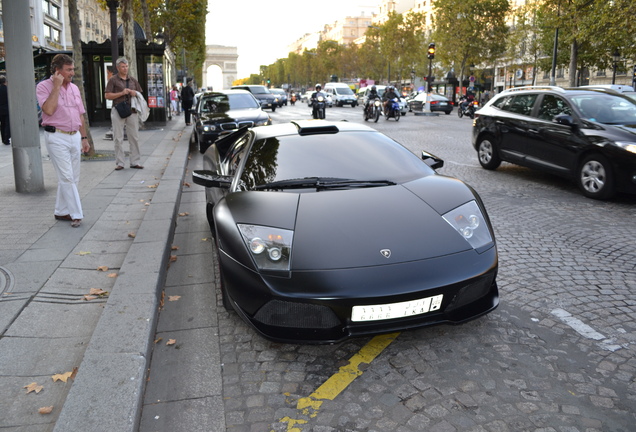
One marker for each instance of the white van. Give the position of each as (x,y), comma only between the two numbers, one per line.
(341,94)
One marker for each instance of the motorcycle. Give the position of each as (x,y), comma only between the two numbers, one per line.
(392,109)
(318,111)
(292,100)
(467,109)
(373,110)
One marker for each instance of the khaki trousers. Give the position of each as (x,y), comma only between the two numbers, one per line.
(132,130)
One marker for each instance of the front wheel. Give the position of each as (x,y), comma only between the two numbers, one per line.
(460,113)
(377,115)
(595,177)
(471,114)
(487,153)
(397,116)
(273,108)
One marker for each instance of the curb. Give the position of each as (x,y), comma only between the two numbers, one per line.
(107,393)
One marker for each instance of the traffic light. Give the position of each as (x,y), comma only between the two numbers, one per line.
(268,81)
(431,50)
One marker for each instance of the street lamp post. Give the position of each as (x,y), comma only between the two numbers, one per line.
(114,43)
(616,57)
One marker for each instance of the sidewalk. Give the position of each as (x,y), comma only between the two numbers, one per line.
(47,324)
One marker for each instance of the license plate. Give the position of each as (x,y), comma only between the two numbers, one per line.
(442,103)
(396,310)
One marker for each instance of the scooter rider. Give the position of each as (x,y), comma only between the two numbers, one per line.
(317,93)
(314,97)
(388,95)
(373,95)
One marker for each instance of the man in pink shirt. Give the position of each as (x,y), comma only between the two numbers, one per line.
(65,135)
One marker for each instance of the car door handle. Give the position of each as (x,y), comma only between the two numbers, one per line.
(534,131)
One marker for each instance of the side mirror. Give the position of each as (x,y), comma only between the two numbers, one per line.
(211,180)
(565,120)
(432,160)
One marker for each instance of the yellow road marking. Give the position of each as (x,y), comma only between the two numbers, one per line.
(331,388)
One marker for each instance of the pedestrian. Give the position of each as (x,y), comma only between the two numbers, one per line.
(187,98)
(174,100)
(5,129)
(64,135)
(121,89)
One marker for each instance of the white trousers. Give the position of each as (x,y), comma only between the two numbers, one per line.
(65,153)
(132,130)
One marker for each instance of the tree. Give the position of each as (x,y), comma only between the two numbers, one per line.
(78,79)
(469,32)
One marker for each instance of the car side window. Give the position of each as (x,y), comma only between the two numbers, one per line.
(235,155)
(521,104)
(552,106)
(501,102)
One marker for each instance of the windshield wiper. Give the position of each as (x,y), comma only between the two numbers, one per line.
(322,183)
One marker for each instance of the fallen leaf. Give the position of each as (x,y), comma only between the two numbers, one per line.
(33,387)
(98,292)
(82,253)
(186,184)
(62,377)
(132,235)
(46,410)
(154,186)
(74,373)
(112,275)
(184,214)
(89,297)
(170,342)
(173,258)
(102,268)
(173,298)
(158,340)
(174,248)
(147,204)
(204,239)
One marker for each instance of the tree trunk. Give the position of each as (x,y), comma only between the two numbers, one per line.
(73,14)
(574,52)
(146,15)
(130,48)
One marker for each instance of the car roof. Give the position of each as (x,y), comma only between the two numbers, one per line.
(226,92)
(309,127)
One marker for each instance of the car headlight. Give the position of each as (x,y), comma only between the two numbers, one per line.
(269,247)
(470,224)
(209,128)
(262,122)
(629,146)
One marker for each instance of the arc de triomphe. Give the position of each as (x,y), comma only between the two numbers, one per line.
(224,57)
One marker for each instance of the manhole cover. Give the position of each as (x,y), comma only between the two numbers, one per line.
(6,281)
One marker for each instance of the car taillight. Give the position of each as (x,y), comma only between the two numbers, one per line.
(434,102)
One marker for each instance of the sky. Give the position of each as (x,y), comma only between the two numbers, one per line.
(263,29)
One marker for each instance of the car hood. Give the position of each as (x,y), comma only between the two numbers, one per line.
(236,115)
(356,227)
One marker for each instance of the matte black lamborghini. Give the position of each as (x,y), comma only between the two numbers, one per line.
(329,230)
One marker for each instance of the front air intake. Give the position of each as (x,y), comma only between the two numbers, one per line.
(280,313)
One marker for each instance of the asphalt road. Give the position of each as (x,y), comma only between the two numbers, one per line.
(557,355)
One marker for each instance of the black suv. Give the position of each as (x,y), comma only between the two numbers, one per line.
(260,92)
(587,135)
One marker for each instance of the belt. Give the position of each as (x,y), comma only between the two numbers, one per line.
(65,132)
(53,129)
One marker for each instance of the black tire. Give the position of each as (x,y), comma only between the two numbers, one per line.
(397,116)
(595,177)
(365,114)
(322,114)
(460,113)
(471,114)
(353,105)
(487,153)
(447,112)
(377,115)
(273,108)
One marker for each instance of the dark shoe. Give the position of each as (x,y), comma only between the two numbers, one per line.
(64,217)
(76,223)
(119,167)
(137,166)
(188,124)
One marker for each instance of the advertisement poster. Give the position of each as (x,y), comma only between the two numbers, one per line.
(156,91)
(108,73)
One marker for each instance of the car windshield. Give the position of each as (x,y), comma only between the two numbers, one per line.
(607,109)
(354,156)
(344,91)
(259,90)
(221,103)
